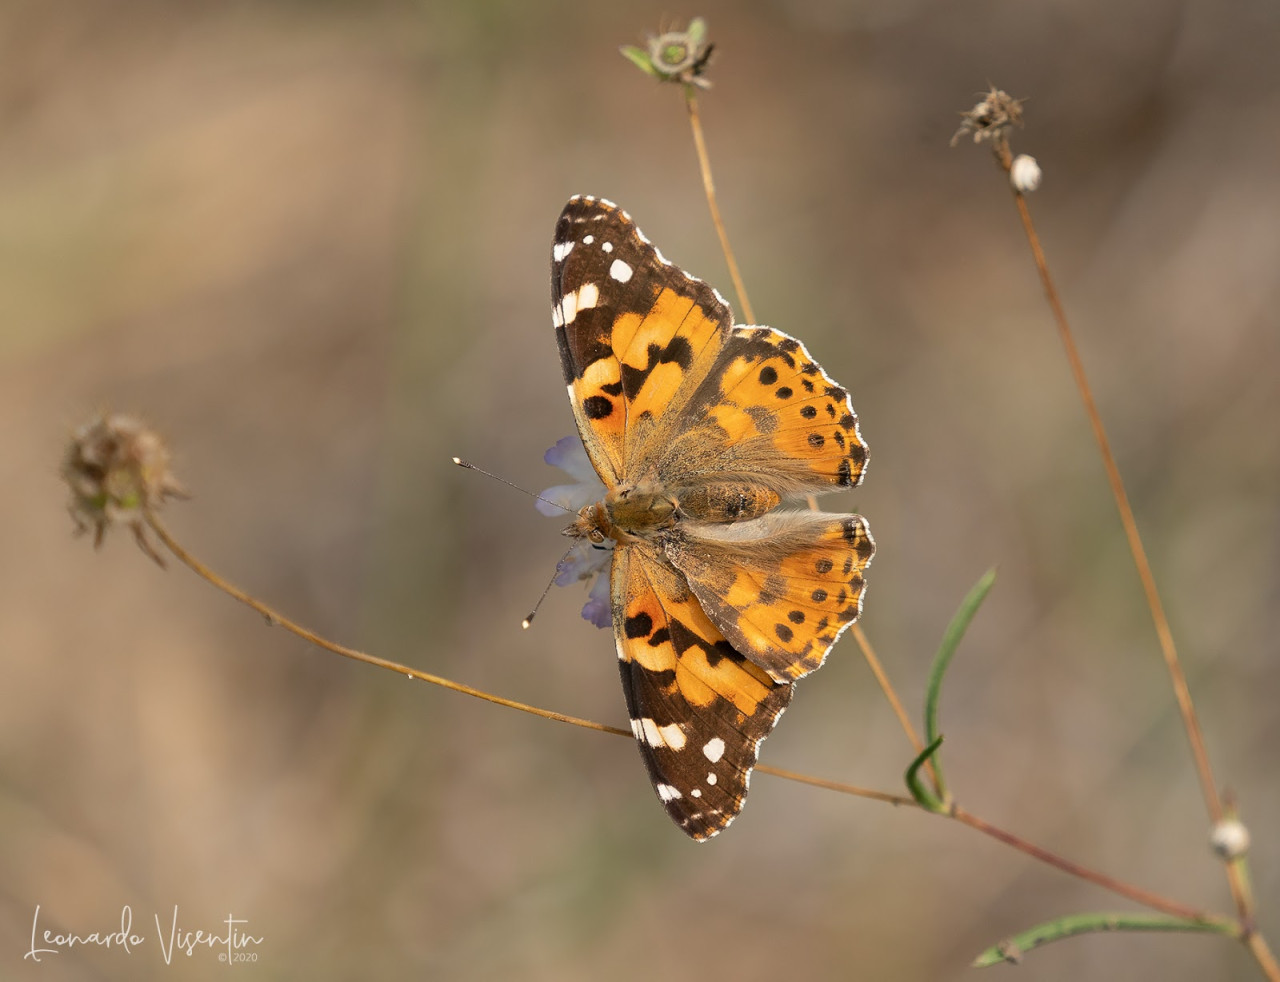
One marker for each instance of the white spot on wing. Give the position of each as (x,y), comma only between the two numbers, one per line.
(652,735)
(583,298)
(711,778)
(667,793)
(672,736)
(620,271)
(588,239)
(607,246)
(560,250)
(714,750)
(695,793)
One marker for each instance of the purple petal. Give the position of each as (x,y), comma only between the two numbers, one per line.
(582,562)
(572,497)
(571,457)
(597,609)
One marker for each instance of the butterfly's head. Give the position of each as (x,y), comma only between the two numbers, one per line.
(592,524)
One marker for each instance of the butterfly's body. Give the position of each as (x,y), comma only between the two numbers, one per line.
(699,430)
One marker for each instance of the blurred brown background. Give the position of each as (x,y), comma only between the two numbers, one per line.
(309,241)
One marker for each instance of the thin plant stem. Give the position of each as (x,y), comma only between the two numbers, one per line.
(1258,947)
(704,164)
(1137,894)
(1181,691)
(894,702)
(708,185)
(838,786)
(1119,887)
(891,694)
(275,618)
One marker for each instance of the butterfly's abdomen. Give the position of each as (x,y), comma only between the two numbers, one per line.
(727,502)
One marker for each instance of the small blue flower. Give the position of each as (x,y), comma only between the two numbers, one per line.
(598,609)
(571,457)
(585,561)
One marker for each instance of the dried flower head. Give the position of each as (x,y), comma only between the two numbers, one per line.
(991,119)
(675,56)
(118,470)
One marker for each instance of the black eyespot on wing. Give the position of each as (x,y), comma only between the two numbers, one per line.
(638,626)
(597,407)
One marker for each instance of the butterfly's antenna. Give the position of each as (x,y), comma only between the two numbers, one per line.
(480,470)
(545,590)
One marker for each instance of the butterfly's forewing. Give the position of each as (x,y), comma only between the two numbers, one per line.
(780,588)
(633,332)
(766,413)
(699,710)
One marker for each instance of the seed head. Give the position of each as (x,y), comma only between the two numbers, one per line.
(991,119)
(118,471)
(675,56)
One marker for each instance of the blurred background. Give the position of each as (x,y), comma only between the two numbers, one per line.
(309,242)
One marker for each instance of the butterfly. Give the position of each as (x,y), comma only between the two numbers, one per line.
(699,429)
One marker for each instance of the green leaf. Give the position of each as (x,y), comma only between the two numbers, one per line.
(950,641)
(926,798)
(1013,948)
(697,32)
(640,58)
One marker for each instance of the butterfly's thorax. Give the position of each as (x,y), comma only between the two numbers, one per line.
(628,513)
(632,512)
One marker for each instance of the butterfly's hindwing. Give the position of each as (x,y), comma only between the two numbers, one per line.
(699,710)
(783,588)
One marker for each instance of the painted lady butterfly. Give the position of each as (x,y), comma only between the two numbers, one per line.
(698,429)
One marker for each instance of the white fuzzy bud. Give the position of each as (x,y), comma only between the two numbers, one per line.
(1025,173)
(1230,839)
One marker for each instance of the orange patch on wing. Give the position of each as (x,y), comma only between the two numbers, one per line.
(812,424)
(738,682)
(739,424)
(633,333)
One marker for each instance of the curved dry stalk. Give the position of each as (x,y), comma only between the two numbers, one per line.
(708,185)
(275,618)
(890,693)
(748,315)
(1258,947)
(1137,894)
(1241,896)
(1168,649)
